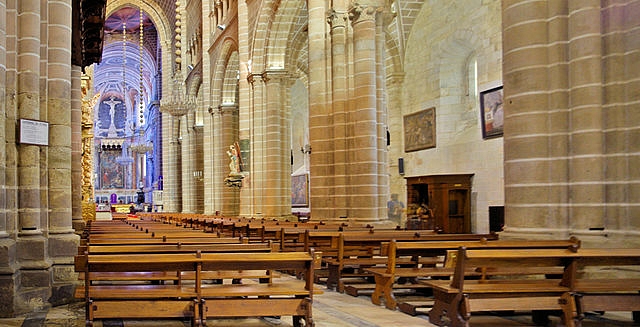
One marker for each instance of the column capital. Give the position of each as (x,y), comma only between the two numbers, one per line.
(274,74)
(362,12)
(225,108)
(336,19)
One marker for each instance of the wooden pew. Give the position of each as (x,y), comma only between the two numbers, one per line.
(458,298)
(275,297)
(176,276)
(593,290)
(197,300)
(419,253)
(359,250)
(140,299)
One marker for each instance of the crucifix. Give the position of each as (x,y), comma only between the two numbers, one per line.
(112,112)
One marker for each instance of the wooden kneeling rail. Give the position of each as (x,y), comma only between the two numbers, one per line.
(194,299)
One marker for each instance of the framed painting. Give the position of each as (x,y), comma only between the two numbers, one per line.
(300,190)
(111,173)
(491,112)
(420,130)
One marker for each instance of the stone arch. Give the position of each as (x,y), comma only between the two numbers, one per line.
(165,32)
(220,86)
(455,54)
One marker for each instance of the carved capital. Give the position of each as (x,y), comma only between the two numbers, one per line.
(336,19)
(359,13)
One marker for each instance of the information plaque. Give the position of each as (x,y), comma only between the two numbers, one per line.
(33,132)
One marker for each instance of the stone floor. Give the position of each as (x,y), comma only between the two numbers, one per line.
(330,309)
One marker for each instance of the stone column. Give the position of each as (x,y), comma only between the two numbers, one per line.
(188,158)
(276,203)
(59,117)
(536,141)
(172,169)
(340,93)
(3,108)
(382,20)
(29,108)
(63,242)
(245,112)
(587,163)
(564,142)
(363,154)
(226,117)
(254,185)
(322,148)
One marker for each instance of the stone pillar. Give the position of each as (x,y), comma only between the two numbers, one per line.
(340,93)
(382,21)
(321,158)
(59,117)
(255,184)
(172,169)
(8,219)
(29,108)
(567,151)
(363,152)
(536,140)
(587,163)
(188,157)
(226,117)
(3,105)
(245,102)
(63,242)
(276,203)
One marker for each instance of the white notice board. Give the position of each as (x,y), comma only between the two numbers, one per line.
(33,132)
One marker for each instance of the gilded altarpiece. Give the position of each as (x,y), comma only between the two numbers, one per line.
(88,103)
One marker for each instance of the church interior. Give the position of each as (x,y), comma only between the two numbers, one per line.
(508,121)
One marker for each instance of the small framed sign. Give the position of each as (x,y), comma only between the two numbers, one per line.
(34,132)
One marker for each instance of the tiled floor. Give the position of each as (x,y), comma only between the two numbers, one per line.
(330,309)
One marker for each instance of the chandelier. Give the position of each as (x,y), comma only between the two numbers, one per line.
(179,103)
(124,159)
(140,145)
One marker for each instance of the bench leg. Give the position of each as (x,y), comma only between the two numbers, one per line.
(450,310)
(384,288)
(201,308)
(334,276)
(89,313)
(572,313)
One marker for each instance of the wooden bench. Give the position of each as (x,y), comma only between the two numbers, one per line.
(275,297)
(455,300)
(140,298)
(602,289)
(418,253)
(357,251)
(175,276)
(192,298)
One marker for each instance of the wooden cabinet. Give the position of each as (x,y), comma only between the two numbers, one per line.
(448,196)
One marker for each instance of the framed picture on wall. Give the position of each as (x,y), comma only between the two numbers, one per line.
(491,112)
(420,130)
(300,190)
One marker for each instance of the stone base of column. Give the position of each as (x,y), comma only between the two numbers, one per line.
(7,300)
(607,238)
